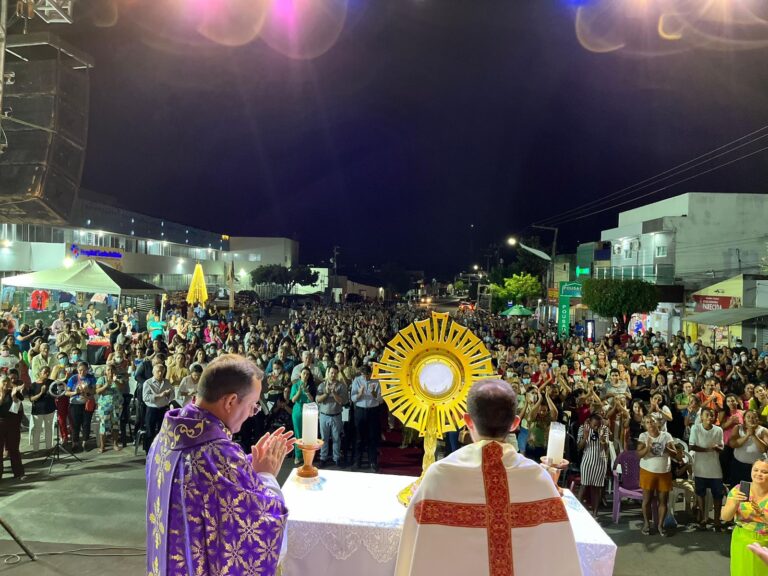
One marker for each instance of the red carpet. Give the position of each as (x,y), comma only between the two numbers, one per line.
(394,460)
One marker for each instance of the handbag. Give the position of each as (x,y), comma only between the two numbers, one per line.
(90,405)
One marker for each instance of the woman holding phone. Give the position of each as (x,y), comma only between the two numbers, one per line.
(747,503)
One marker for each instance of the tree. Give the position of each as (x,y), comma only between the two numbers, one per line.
(302,275)
(285,277)
(271,274)
(619,298)
(459,286)
(519,289)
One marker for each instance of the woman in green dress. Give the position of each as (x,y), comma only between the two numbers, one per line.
(303,392)
(109,407)
(751,514)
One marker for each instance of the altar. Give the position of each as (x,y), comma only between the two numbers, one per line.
(349,524)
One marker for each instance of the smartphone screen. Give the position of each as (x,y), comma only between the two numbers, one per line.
(744,486)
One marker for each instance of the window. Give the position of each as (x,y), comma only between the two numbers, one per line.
(661,251)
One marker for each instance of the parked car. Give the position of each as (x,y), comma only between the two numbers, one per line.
(465,306)
(288,300)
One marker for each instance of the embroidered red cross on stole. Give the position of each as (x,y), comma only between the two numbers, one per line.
(498,515)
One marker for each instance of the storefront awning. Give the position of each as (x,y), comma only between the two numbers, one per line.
(727,316)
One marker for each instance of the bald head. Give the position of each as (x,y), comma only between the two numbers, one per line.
(492,405)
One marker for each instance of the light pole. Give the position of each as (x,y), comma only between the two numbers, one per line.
(551,267)
(512,241)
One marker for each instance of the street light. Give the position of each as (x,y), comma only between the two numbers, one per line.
(511,241)
(475,267)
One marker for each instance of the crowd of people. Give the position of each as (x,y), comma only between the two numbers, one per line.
(322,355)
(692,415)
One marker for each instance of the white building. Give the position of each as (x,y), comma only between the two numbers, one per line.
(693,239)
(158,251)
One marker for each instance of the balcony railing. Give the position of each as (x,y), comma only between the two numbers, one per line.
(655,273)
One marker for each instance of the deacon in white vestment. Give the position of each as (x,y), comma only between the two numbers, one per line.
(486,510)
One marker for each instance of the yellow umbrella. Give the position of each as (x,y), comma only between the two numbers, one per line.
(197,290)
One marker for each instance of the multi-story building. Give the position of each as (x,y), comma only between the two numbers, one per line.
(692,240)
(565,268)
(152,249)
(590,255)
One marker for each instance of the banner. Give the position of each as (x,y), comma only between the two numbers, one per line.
(552,295)
(707,303)
(564,316)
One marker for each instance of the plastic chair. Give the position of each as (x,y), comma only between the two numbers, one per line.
(626,480)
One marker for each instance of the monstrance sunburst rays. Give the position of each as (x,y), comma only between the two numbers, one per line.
(425,374)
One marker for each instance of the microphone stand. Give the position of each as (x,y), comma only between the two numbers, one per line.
(54,454)
(18,540)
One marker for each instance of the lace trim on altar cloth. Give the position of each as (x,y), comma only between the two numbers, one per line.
(343,541)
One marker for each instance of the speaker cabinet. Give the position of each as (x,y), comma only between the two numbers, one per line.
(41,169)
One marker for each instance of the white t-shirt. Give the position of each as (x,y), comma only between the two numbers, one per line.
(747,453)
(706,464)
(657,460)
(186,390)
(8,362)
(660,417)
(619,390)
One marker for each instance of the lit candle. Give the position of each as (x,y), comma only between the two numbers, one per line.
(309,417)
(556,443)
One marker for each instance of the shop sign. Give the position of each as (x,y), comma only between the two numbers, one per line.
(570,289)
(708,303)
(81,251)
(552,295)
(564,317)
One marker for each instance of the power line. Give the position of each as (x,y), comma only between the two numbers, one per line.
(671,172)
(657,190)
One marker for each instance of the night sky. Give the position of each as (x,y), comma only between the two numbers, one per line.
(426,116)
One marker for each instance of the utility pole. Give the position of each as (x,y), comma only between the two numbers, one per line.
(335,260)
(551,267)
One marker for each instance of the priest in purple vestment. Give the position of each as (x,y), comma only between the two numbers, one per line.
(212,510)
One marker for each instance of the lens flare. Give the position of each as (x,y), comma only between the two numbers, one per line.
(304,29)
(233,22)
(662,26)
(103,13)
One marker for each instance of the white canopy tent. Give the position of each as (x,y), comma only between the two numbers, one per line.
(86,276)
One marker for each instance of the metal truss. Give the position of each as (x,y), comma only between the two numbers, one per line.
(55,11)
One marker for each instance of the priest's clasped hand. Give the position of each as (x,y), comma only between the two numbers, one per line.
(270,451)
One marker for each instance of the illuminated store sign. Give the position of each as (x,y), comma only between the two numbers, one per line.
(78,251)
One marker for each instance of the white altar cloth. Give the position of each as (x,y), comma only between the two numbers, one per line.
(349,524)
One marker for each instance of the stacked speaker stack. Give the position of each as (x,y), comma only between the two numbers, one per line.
(41,169)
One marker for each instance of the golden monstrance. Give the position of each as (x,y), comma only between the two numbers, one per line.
(425,373)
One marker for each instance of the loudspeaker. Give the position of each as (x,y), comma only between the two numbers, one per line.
(41,169)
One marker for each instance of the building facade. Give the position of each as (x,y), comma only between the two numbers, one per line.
(152,249)
(692,240)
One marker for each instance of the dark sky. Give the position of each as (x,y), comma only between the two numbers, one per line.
(426,116)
